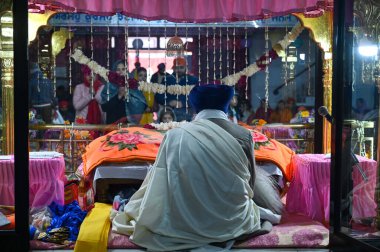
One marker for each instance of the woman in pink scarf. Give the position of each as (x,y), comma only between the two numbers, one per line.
(85,105)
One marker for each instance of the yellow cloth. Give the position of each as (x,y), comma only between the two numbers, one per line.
(147,117)
(93,233)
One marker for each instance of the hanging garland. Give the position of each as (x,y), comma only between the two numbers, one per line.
(229,80)
(260,63)
(165,126)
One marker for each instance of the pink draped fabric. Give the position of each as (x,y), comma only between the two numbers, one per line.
(309,192)
(296,231)
(46,181)
(190,10)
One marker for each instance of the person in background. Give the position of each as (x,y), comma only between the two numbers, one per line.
(244,110)
(291,105)
(159,76)
(113,97)
(260,113)
(233,114)
(361,109)
(147,117)
(181,78)
(41,94)
(87,105)
(210,161)
(282,114)
(65,111)
(133,74)
(63,94)
(136,104)
(167,116)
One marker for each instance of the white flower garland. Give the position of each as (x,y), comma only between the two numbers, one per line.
(79,57)
(291,36)
(156,88)
(151,87)
(168,126)
(231,80)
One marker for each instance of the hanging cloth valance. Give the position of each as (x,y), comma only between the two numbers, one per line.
(194,11)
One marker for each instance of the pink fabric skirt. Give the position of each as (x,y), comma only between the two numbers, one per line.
(46,181)
(309,192)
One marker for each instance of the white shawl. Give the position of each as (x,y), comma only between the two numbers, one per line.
(196,193)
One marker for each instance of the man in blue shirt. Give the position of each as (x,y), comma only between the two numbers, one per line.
(41,94)
(178,103)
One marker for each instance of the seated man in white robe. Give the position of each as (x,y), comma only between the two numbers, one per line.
(199,191)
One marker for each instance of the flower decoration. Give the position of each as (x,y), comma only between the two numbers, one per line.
(167,126)
(259,122)
(80,120)
(32,115)
(305,114)
(148,126)
(230,80)
(81,136)
(34,120)
(124,139)
(259,139)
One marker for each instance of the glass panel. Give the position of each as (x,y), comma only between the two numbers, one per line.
(71,105)
(211,52)
(7,191)
(291,86)
(360,158)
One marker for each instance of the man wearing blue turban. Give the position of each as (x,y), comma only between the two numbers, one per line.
(200,189)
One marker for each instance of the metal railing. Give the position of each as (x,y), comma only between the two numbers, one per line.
(298,137)
(62,138)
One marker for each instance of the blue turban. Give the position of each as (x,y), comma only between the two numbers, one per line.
(211,96)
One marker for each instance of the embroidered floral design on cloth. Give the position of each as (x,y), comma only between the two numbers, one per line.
(124,139)
(260,140)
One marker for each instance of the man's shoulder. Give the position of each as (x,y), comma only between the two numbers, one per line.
(179,132)
(176,131)
(232,128)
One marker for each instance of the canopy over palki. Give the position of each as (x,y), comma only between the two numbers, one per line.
(197,11)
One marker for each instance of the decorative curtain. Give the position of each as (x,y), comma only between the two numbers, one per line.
(197,11)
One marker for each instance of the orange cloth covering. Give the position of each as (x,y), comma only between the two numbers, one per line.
(139,144)
(278,154)
(123,145)
(275,152)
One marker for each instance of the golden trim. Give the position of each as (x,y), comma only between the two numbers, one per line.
(58,40)
(321,33)
(35,21)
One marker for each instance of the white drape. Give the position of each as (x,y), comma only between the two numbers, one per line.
(196,193)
